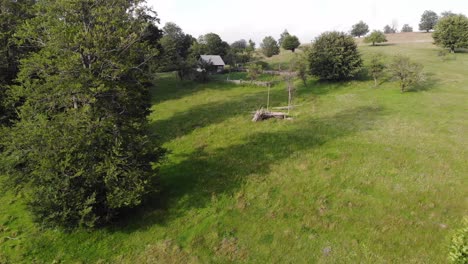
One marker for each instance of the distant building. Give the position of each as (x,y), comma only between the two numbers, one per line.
(215,60)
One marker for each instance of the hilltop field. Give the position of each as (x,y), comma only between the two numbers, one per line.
(360,175)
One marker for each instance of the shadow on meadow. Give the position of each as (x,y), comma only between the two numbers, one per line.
(203,173)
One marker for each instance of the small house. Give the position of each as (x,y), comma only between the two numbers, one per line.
(215,60)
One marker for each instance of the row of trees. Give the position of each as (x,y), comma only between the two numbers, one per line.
(428,22)
(335,56)
(271,47)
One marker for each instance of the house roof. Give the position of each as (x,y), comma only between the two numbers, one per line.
(216,60)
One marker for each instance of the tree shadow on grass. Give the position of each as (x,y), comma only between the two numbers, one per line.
(184,123)
(168,87)
(191,182)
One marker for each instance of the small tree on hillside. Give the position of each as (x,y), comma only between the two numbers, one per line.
(334,56)
(406,28)
(270,47)
(376,37)
(291,43)
(376,67)
(360,29)
(299,65)
(452,32)
(408,73)
(389,30)
(428,20)
(253,71)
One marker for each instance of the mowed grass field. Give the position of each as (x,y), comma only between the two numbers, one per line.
(360,175)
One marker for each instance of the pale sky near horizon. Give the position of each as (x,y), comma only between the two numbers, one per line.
(255,19)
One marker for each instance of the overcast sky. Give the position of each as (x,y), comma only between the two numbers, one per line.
(255,19)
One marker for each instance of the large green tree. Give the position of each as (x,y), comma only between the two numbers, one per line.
(12,15)
(452,32)
(335,56)
(269,47)
(428,20)
(175,45)
(212,44)
(360,29)
(81,147)
(291,43)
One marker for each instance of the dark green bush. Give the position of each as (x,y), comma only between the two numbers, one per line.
(335,56)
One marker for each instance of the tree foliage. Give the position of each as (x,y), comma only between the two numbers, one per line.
(269,47)
(283,37)
(12,15)
(452,32)
(80,146)
(175,45)
(299,65)
(291,43)
(376,37)
(254,70)
(389,30)
(407,28)
(428,20)
(334,56)
(376,67)
(360,29)
(407,73)
(212,44)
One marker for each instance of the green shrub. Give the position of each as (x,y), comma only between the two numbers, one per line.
(459,246)
(335,56)
(406,72)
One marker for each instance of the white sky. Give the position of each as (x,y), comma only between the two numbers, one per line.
(255,19)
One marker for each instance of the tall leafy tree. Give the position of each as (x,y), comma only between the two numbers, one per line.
(428,20)
(283,36)
(270,47)
(452,32)
(212,44)
(175,45)
(291,43)
(334,56)
(360,29)
(81,146)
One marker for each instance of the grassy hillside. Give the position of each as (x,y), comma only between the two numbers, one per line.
(361,175)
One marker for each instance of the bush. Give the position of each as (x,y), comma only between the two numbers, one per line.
(270,47)
(408,73)
(291,43)
(452,32)
(376,37)
(459,246)
(334,56)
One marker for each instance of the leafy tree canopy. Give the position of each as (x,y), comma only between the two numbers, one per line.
(334,56)
(407,28)
(376,37)
(270,46)
(291,43)
(428,20)
(452,32)
(80,146)
(360,29)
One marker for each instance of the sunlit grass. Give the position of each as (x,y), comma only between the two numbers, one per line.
(360,175)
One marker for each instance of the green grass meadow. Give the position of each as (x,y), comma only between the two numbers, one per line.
(360,175)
